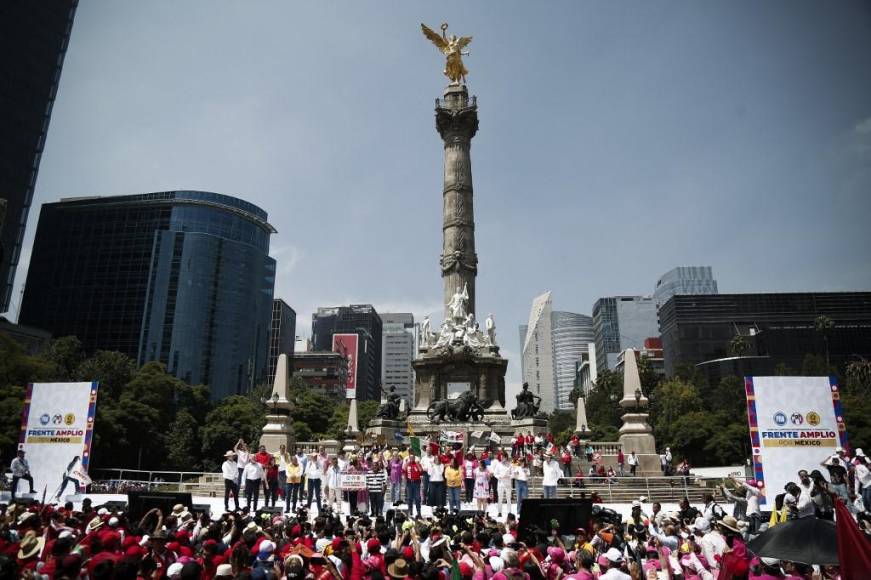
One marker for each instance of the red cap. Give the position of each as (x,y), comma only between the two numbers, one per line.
(466,570)
(408,553)
(373,546)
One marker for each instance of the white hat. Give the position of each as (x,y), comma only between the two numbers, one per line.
(65,534)
(614,555)
(174,569)
(636,503)
(770,561)
(267,546)
(860,453)
(496,563)
(113,521)
(102,512)
(839,450)
(508,539)
(224,570)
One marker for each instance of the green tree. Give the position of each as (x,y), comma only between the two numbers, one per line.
(602,404)
(859,377)
(113,370)
(673,400)
(233,418)
(815,365)
(823,326)
(730,399)
(739,345)
(559,421)
(17,369)
(183,442)
(66,354)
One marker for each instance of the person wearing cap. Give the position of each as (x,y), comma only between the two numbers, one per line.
(612,561)
(752,496)
(552,474)
(230,473)
(20,470)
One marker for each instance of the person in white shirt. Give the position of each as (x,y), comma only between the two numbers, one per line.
(313,476)
(20,470)
(552,474)
(253,474)
(426,462)
(753,494)
(242,459)
(230,471)
(435,471)
(614,559)
(503,472)
(863,480)
(713,544)
(334,494)
(632,461)
(521,479)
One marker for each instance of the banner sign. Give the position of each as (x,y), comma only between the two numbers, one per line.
(352,481)
(451,437)
(795,423)
(57,424)
(347,346)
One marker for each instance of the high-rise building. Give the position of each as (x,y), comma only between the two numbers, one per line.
(397,352)
(781,327)
(621,322)
(364,321)
(684,280)
(33,42)
(180,277)
(551,345)
(571,334)
(537,353)
(282,336)
(325,372)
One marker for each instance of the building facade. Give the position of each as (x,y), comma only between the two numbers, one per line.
(325,372)
(364,321)
(282,337)
(684,280)
(621,322)
(33,42)
(571,335)
(779,327)
(537,353)
(180,277)
(397,352)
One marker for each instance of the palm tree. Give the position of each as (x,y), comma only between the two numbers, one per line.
(822,325)
(739,345)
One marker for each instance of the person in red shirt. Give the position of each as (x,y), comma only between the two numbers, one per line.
(576,445)
(530,442)
(271,482)
(517,449)
(412,472)
(262,457)
(566,460)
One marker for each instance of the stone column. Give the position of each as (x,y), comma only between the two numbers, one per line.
(457,123)
(636,434)
(278,429)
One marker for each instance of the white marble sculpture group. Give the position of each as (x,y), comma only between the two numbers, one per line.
(460,330)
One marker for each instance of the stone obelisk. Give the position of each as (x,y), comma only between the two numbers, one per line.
(457,123)
(636,434)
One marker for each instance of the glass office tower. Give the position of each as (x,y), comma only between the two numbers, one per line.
(180,277)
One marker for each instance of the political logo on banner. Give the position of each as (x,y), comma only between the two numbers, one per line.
(57,424)
(795,423)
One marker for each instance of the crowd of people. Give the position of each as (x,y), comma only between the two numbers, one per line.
(94,543)
(358,515)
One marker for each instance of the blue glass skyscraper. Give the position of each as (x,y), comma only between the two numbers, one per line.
(180,277)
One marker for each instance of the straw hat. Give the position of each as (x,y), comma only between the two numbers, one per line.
(94,524)
(398,569)
(729,523)
(230,454)
(31,545)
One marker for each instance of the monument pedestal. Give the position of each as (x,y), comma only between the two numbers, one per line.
(534,425)
(278,430)
(386,427)
(637,435)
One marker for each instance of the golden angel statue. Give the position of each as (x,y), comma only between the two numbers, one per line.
(452,47)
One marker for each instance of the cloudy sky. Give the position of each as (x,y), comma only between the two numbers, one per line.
(617,140)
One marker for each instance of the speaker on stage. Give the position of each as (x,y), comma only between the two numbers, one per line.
(274,510)
(536,515)
(140,502)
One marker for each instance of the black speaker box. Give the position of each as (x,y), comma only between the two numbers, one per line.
(536,515)
(140,502)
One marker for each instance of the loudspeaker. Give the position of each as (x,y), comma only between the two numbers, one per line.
(140,502)
(201,508)
(536,514)
(114,506)
(275,511)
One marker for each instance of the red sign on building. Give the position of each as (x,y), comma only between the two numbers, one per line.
(346,345)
